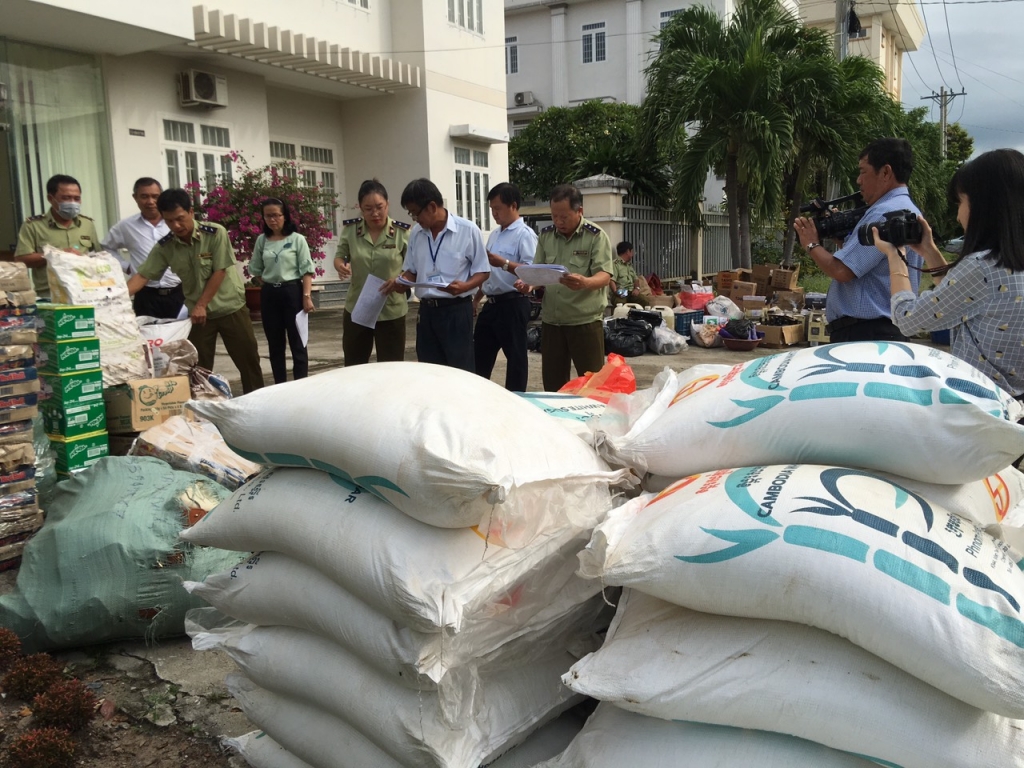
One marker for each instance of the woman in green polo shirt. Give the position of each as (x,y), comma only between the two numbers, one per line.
(281,262)
(373,245)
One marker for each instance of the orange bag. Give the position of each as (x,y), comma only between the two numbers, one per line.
(615,377)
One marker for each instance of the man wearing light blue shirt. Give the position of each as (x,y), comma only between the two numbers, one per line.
(446,256)
(138,234)
(501,324)
(858,303)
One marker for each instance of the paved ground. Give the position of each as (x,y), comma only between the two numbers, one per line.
(325,353)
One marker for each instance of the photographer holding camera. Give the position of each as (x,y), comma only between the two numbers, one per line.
(857,307)
(981,298)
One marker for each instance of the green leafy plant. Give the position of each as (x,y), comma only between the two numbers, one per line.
(31,675)
(42,748)
(66,704)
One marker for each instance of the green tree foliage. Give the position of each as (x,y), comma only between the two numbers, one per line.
(568,143)
(959,144)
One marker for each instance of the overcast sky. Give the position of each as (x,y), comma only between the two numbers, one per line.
(986,41)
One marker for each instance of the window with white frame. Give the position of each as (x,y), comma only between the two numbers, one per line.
(468,14)
(318,170)
(593,42)
(511,56)
(861,33)
(190,162)
(666,17)
(283,155)
(472,182)
(518,126)
(360,3)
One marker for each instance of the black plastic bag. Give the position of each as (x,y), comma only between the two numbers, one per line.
(533,338)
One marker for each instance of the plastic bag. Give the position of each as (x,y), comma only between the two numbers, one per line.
(615,377)
(533,338)
(207,385)
(722,306)
(705,335)
(665,341)
(626,337)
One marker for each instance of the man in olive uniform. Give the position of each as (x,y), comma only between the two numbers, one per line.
(201,255)
(63,227)
(571,311)
(624,287)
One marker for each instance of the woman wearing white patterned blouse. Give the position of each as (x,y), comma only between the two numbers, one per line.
(981,298)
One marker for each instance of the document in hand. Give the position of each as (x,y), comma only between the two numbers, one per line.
(420,284)
(541,274)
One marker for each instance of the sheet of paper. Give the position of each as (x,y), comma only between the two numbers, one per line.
(541,274)
(302,324)
(421,284)
(370,303)
(183,312)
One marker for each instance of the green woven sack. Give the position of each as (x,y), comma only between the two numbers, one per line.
(107,564)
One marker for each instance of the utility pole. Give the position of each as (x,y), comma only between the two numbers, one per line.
(944,98)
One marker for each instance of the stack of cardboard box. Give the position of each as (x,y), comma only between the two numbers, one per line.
(69,362)
(20,516)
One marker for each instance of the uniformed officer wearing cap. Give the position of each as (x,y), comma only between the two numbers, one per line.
(201,255)
(571,311)
(63,227)
(374,244)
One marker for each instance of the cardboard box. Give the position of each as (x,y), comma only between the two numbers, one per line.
(144,403)
(61,322)
(79,452)
(754,307)
(73,388)
(19,381)
(69,356)
(75,420)
(816,332)
(777,336)
(663,301)
(784,278)
(121,445)
(789,301)
(725,279)
(741,288)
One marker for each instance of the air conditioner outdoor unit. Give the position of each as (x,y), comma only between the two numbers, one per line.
(524,98)
(202,89)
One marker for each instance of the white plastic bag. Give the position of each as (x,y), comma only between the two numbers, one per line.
(723,306)
(909,410)
(442,445)
(837,549)
(684,665)
(665,341)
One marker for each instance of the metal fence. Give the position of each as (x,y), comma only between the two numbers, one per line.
(664,245)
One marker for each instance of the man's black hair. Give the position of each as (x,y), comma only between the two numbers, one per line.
(174,198)
(508,193)
(145,181)
(54,182)
(421,192)
(567,192)
(896,153)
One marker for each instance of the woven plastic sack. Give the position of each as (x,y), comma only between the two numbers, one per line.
(613,738)
(399,721)
(107,564)
(446,447)
(97,280)
(427,578)
(573,412)
(905,409)
(685,665)
(615,377)
(838,549)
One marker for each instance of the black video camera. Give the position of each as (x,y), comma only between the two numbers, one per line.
(897,227)
(831,222)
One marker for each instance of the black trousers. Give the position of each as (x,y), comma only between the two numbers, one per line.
(279,306)
(501,325)
(875,329)
(444,333)
(164,303)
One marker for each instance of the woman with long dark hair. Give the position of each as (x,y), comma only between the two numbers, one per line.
(981,298)
(281,261)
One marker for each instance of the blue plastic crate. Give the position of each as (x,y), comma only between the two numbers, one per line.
(684,319)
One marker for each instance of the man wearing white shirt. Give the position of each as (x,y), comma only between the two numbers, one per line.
(138,234)
(501,324)
(446,251)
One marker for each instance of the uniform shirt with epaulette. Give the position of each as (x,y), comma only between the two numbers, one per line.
(586,252)
(44,230)
(208,250)
(383,259)
(623,275)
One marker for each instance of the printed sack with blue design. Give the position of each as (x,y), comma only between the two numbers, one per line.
(838,549)
(905,409)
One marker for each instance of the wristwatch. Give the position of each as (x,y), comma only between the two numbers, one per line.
(812,246)
(507,264)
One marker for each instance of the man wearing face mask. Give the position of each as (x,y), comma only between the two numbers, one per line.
(63,227)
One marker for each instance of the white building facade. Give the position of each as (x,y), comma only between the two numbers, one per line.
(350,89)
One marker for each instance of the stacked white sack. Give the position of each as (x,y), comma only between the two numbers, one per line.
(98,280)
(909,410)
(442,445)
(450,643)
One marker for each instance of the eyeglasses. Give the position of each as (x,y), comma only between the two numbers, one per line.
(371,209)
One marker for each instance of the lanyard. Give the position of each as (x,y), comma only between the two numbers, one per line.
(433,253)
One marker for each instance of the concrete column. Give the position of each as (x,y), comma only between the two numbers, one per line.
(559,70)
(602,203)
(634,51)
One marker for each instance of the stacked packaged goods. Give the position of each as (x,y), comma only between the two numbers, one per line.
(73,410)
(415,578)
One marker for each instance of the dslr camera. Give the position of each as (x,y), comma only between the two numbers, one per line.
(832,222)
(897,227)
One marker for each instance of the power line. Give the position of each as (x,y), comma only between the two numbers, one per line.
(949,36)
(905,48)
(924,18)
